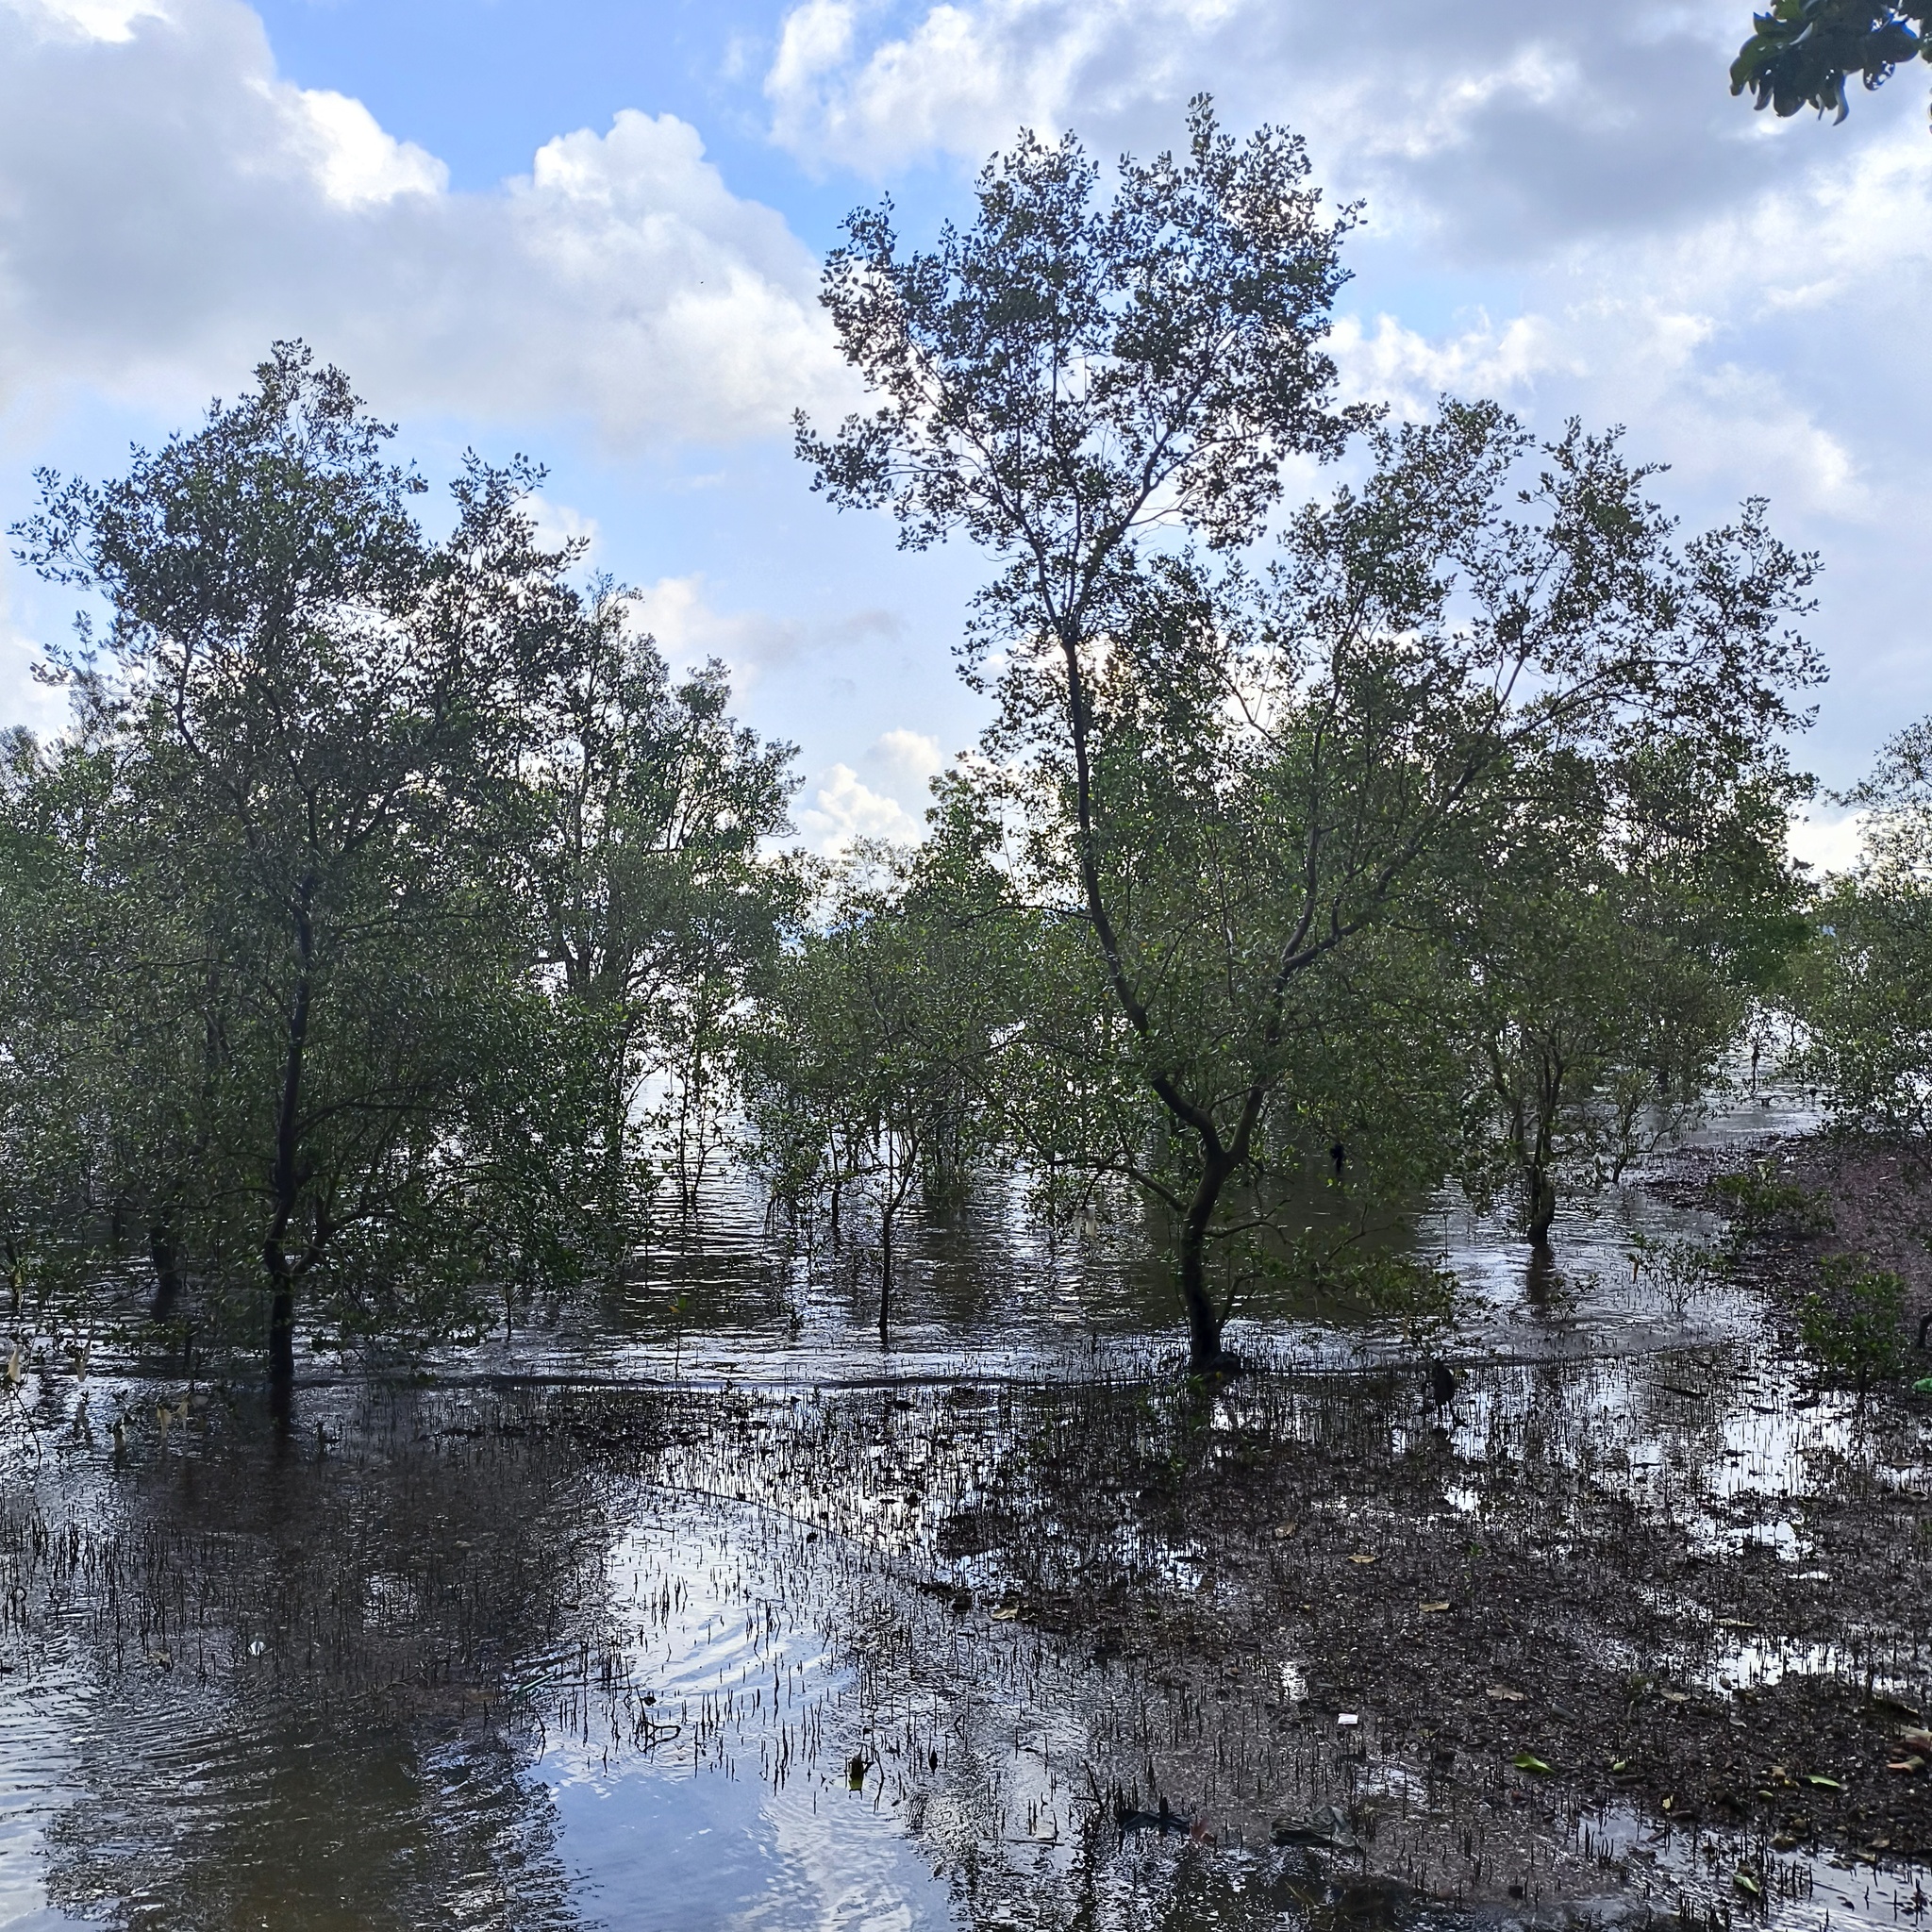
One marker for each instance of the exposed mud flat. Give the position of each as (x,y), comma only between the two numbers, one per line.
(1872,1197)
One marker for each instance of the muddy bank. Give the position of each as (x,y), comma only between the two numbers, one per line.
(1611,1586)
(1639,1635)
(1817,1194)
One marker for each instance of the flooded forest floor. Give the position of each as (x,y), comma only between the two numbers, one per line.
(1616,1633)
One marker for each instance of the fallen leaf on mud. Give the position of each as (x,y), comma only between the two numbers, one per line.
(1528,1761)
(1922,1386)
(1676,1696)
(1362,1557)
(1283,1529)
(1826,1784)
(1330,1829)
(1005,1613)
(1431,1609)
(1907,1767)
(1745,1882)
(1918,1741)
(1502,1695)
(1619,1764)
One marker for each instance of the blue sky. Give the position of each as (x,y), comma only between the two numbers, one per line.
(591,231)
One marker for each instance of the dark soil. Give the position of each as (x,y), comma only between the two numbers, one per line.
(1582,1627)
(1876,1195)
(1497,1582)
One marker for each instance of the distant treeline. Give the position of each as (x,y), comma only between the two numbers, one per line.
(391,933)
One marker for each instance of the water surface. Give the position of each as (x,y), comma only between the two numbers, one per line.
(701,1607)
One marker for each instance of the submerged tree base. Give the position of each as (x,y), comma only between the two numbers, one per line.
(1222,1365)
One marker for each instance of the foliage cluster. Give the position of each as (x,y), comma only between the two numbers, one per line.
(1863,996)
(1759,1202)
(377,875)
(1802,51)
(1854,1320)
(1459,820)
(391,923)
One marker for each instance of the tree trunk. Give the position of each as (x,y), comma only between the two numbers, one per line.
(1542,1205)
(885,1270)
(160,1248)
(288,1176)
(281,1346)
(1541,1182)
(1205,1353)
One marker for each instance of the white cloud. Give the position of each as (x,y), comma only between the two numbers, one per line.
(1827,844)
(1402,366)
(98,20)
(23,699)
(845,809)
(911,756)
(357,162)
(1402,98)
(169,203)
(689,630)
(558,523)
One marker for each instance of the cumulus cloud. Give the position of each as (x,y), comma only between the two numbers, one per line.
(1448,117)
(169,203)
(1827,844)
(845,809)
(1390,362)
(910,757)
(688,629)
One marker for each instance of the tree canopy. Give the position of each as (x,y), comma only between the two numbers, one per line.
(1802,51)
(393,932)
(1224,783)
(391,865)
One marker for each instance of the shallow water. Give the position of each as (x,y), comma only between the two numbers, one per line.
(719,1653)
